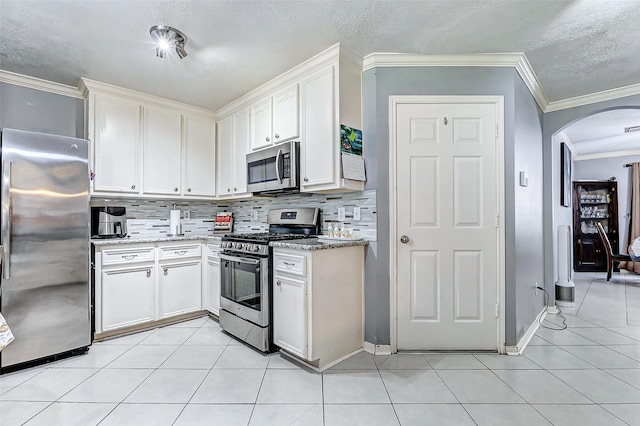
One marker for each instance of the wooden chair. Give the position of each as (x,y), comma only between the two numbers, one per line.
(611,257)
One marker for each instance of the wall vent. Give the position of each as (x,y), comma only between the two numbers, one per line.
(632,129)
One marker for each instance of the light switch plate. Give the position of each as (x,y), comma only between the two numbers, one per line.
(186,214)
(524,178)
(341,213)
(356,213)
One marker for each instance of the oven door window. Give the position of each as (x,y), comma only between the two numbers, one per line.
(241,283)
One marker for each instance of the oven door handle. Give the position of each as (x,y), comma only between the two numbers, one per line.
(239,259)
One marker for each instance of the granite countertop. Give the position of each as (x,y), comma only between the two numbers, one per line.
(133,240)
(317,244)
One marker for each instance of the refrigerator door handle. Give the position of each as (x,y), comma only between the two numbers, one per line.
(6,218)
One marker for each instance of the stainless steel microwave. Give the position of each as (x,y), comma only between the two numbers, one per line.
(274,170)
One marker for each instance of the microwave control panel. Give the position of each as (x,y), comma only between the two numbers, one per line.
(286,165)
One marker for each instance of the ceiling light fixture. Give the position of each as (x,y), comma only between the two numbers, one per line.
(166,38)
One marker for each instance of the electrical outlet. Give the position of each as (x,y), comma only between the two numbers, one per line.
(356,213)
(255,215)
(341,214)
(186,214)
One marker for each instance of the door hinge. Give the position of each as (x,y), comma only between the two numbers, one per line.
(496,130)
(497,310)
(497,221)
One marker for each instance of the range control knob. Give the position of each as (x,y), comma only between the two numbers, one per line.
(238,245)
(256,248)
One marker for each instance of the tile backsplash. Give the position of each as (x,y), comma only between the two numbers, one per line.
(150,218)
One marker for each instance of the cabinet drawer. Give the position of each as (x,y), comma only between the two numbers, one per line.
(290,263)
(176,252)
(128,255)
(213,250)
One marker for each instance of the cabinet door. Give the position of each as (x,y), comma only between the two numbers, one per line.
(225,157)
(290,315)
(240,149)
(162,137)
(318,161)
(285,114)
(211,291)
(199,156)
(180,288)
(261,124)
(128,297)
(116,145)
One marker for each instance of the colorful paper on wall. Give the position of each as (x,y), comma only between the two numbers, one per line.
(351,153)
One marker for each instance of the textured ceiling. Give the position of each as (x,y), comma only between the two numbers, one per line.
(575,47)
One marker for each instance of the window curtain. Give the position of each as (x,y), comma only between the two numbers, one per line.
(634,218)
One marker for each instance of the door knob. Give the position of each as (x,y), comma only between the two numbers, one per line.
(404,239)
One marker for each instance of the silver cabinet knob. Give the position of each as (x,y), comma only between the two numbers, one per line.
(164,269)
(228,189)
(133,187)
(404,239)
(235,189)
(148,273)
(268,139)
(188,189)
(306,179)
(277,136)
(175,189)
(278,283)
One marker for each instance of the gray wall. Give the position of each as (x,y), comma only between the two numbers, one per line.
(523,145)
(527,207)
(604,169)
(29,109)
(554,122)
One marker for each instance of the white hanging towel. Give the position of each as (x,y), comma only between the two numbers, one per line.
(6,336)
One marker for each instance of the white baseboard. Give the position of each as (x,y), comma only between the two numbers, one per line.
(377,349)
(526,338)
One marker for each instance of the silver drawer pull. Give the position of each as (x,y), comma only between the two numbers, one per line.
(148,273)
(181,252)
(289,264)
(130,256)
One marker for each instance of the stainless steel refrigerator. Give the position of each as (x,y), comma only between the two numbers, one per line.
(45,292)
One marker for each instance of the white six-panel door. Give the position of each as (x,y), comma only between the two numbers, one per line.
(446,226)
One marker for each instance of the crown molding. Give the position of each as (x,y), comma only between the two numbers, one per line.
(86,85)
(39,84)
(610,154)
(516,60)
(592,98)
(291,76)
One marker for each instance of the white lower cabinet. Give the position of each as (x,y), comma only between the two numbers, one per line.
(128,296)
(211,280)
(179,288)
(317,303)
(290,312)
(138,285)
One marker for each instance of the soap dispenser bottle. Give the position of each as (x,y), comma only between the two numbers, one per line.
(330,231)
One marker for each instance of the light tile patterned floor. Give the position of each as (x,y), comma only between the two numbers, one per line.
(194,374)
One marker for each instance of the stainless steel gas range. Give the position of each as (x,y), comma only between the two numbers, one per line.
(246,274)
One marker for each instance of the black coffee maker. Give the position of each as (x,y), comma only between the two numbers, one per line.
(108,222)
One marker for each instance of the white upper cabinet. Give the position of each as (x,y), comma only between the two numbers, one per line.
(162,151)
(199,156)
(275,119)
(261,124)
(285,114)
(114,127)
(330,97)
(145,146)
(240,149)
(225,157)
(318,161)
(233,142)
